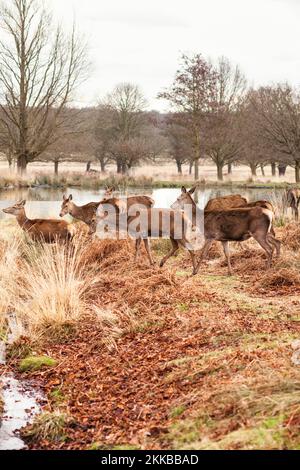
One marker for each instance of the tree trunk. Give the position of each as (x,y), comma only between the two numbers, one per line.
(273,168)
(220,172)
(56,167)
(179,167)
(119,167)
(297,171)
(22,165)
(262,170)
(124,168)
(230,168)
(253,169)
(282,169)
(88,166)
(191,168)
(102,165)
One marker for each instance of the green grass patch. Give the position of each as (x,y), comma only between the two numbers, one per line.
(34,363)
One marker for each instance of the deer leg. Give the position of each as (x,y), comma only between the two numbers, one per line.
(193,257)
(204,253)
(263,242)
(148,250)
(227,256)
(137,248)
(275,243)
(175,247)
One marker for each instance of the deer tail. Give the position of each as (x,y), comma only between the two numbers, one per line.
(270,216)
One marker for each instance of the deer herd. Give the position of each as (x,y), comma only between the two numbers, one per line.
(224,219)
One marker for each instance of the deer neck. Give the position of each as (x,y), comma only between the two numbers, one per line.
(194,214)
(22,218)
(75,211)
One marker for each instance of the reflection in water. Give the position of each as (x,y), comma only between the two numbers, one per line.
(46,203)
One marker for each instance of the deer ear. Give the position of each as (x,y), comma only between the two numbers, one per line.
(191,191)
(70,197)
(183,190)
(64,197)
(22,203)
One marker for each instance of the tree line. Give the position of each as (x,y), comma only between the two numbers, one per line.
(214,114)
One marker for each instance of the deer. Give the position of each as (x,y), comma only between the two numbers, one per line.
(292,197)
(225,202)
(145,223)
(234,201)
(237,225)
(87,213)
(41,230)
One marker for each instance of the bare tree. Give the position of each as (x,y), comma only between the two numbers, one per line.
(278,113)
(40,67)
(222,119)
(120,128)
(191,94)
(127,104)
(180,149)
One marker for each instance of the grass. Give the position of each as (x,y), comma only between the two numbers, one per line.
(223,358)
(48,425)
(35,363)
(122,182)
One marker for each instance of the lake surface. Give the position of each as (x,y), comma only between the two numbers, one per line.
(46,203)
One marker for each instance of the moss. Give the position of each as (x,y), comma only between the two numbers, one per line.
(57,396)
(33,363)
(177,411)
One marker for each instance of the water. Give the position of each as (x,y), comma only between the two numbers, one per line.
(20,404)
(46,203)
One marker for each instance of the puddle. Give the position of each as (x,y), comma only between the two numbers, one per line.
(20,405)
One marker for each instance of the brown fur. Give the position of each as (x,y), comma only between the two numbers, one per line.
(233,225)
(293,201)
(42,230)
(225,202)
(123,205)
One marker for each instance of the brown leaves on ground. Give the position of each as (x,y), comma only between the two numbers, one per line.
(187,358)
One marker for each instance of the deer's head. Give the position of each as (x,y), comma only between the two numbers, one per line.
(184,199)
(109,193)
(16,209)
(67,205)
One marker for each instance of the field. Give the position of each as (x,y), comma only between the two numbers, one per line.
(134,357)
(159,174)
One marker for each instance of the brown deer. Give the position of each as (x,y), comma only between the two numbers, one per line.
(232,225)
(225,202)
(84,213)
(42,230)
(234,201)
(149,223)
(87,213)
(292,197)
(121,205)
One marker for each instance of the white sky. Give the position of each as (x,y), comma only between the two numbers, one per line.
(140,41)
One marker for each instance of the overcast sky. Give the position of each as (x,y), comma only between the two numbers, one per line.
(140,41)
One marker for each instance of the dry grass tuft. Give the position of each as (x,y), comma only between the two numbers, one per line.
(282,277)
(291,237)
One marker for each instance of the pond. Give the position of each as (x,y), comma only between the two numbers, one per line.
(45,203)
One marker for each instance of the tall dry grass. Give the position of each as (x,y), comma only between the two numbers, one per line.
(46,290)
(279,202)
